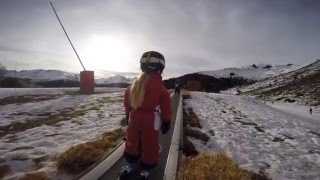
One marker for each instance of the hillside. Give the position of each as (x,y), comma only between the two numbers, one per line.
(56,78)
(114,79)
(42,75)
(253,72)
(301,86)
(201,82)
(10,82)
(257,136)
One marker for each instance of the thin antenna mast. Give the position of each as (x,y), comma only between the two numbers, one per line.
(67,35)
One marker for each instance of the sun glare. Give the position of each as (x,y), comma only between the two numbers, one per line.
(108,53)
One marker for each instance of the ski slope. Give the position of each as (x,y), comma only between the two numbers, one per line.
(257,136)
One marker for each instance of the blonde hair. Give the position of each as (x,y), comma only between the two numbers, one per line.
(137,91)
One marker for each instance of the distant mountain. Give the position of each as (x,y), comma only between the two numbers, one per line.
(40,75)
(301,86)
(114,79)
(105,74)
(253,72)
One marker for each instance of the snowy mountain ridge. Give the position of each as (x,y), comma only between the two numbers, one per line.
(253,72)
(40,75)
(301,86)
(114,79)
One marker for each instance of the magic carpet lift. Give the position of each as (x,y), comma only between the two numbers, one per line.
(86,77)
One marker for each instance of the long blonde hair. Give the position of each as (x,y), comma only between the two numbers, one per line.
(137,91)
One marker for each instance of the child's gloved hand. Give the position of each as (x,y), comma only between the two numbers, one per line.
(127,119)
(165,126)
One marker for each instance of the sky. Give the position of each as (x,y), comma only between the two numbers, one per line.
(193,35)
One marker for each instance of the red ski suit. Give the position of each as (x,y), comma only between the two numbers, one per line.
(145,122)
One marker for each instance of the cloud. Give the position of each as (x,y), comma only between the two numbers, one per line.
(193,35)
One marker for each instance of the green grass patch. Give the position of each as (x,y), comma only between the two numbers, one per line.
(78,158)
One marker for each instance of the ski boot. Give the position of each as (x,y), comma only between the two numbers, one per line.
(125,173)
(144,175)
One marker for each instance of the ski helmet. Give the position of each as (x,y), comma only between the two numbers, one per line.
(152,61)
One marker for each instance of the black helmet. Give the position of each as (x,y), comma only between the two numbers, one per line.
(152,61)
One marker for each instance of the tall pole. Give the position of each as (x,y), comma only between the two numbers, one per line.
(67,35)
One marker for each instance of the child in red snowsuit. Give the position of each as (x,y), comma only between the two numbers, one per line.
(148,109)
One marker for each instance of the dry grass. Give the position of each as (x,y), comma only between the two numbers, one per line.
(207,167)
(191,120)
(185,94)
(35,176)
(4,171)
(28,99)
(78,158)
(196,134)
(189,149)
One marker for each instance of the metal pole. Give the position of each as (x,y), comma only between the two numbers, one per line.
(67,35)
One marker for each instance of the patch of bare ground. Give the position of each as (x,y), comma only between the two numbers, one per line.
(190,120)
(38,175)
(189,149)
(28,98)
(50,120)
(196,134)
(80,157)
(4,171)
(185,94)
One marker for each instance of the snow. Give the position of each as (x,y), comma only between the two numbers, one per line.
(117,79)
(298,110)
(259,137)
(231,91)
(280,80)
(252,73)
(7,92)
(43,75)
(19,150)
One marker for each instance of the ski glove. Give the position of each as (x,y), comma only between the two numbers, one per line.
(127,119)
(165,126)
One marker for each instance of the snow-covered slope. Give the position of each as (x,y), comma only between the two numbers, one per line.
(258,137)
(301,85)
(114,79)
(35,149)
(118,79)
(43,75)
(254,72)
